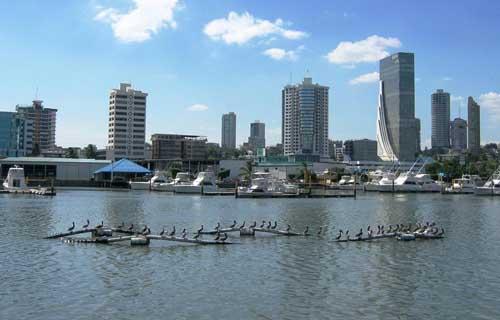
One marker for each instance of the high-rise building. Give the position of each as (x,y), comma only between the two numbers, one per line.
(361,150)
(474,126)
(458,133)
(440,109)
(257,139)
(305,119)
(228,134)
(16,135)
(179,147)
(44,125)
(397,127)
(127,123)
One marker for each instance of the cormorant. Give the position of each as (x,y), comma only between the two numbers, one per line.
(339,235)
(173,232)
(72,227)
(233,225)
(217,237)
(224,237)
(85,226)
(162,232)
(200,229)
(242,225)
(131,227)
(275,225)
(306,231)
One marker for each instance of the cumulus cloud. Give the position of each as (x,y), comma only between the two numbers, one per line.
(147,18)
(241,28)
(491,103)
(365,78)
(370,49)
(197,107)
(282,54)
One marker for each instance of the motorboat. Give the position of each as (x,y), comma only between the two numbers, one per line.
(157,179)
(15,181)
(181,178)
(466,184)
(384,183)
(427,184)
(204,182)
(347,183)
(263,185)
(491,187)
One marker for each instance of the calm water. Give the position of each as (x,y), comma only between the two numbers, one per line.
(266,277)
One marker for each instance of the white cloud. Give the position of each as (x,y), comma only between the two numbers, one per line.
(491,103)
(282,54)
(365,78)
(370,49)
(239,29)
(197,107)
(147,18)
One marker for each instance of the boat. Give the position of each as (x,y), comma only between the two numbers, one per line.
(427,184)
(491,187)
(148,185)
(204,182)
(410,181)
(384,183)
(347,183)
(464,185)
(263,185)
(181,178)
(15,181)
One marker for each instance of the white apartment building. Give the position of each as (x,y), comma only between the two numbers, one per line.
(127,123)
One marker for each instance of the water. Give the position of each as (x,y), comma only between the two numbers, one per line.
(266,277)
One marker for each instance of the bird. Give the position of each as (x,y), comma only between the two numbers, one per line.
(269,224)
(254,224)
(306,231)
(217,227)
(288,228)
(320,230)
(144,229)
(339,235)
(200,229)
(131,227)
(72,227)
(233,225)
(441,233)
(100,225)
(173,232)
(196,236)
(378,229)
(360,233)
(370,233)
(162,232)
(224,237)
(184,233)
(217,237)
(275,225)
(368,229)
(242,225)
(263,224)
(146,232)
(85,226)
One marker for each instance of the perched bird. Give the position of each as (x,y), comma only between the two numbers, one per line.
(288,228)
(100,225)
(146,232)
(173,232)
(320,230)
(217,237)
(196,236)
(233,225)
(144,229)
(263,224)
(442,232)
(131,227)
(360,233)
(370,233)
(184,233)
(85,226)
(242,225)
(224,237)
(306,231)
(275,225)
(217,227)
(339,235)
(162,232)
(269,224)
(368,229)
(254,224)
(200,229)
(72,227)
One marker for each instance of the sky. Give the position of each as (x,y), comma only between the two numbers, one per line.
(200,59)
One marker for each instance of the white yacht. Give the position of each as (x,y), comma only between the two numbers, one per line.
(491,187)
(15,180)
(384,184)
(148,185)
(204,182)
(427,184)
(181,178)
(466,184)
(264,185)
(411,181)
(347,183)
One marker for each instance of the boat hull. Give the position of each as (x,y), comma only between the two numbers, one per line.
(485,191)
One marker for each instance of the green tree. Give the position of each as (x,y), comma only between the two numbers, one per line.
(71,153)
(246,171)
(223,173)
(90,151)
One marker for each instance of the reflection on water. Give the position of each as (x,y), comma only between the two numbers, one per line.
(262,277)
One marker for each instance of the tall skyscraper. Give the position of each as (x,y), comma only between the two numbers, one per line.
(127,123)
(16,135)
(474,126)
(305,119)
(43,121)
(458,133)
(397,127)
(228,134)
(440,109)
(257,137)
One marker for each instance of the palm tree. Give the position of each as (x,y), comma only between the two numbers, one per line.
(246,171)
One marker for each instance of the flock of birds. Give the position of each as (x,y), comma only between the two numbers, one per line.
(425,230)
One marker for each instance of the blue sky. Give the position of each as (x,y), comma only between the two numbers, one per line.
(222,56)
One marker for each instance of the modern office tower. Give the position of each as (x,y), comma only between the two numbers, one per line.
(257,139)
(474,126)
(305,119)
(127,123)
(417,124)
(458,133)
(16,134)
(179,147)
(397,135)
(440,110)
(361,150)
(228,134)
(44,125)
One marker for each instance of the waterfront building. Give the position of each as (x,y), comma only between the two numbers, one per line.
(276,150)
(228,132)
(474,126)
(257,139)
(179,147)
(397,127)
(458,133)
(127,123)
(360,150)
(440,110)
(43,122)
(305,119)
(15,135)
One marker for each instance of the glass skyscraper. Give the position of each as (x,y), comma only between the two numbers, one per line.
(15,135)
(440,110)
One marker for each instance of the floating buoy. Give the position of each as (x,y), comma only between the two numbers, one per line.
(139,241)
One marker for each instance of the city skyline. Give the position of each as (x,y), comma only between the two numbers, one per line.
(165,60)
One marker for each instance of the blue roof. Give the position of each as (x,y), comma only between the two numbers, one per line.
(123,166)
